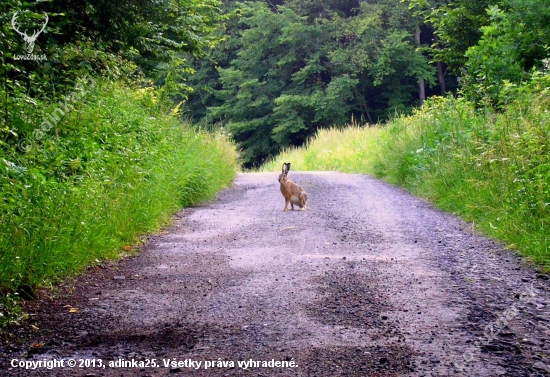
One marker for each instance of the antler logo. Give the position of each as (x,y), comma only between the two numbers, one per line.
(29,39)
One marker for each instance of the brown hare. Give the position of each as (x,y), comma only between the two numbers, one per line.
(293,193)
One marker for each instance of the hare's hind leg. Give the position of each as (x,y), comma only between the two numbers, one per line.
(303,202)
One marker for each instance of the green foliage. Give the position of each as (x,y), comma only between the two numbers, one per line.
(496,58)
(283,74)
(10,311)
(117,40)
(493,43)
(457,25)
(491,168)
(111,169)
(89,160)
(513,47)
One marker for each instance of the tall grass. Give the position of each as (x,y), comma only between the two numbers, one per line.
(349,150)
(114,168)
(490,168)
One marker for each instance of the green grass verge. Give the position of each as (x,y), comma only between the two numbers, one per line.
(491,169)
(113,168)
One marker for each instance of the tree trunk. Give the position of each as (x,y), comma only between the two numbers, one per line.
(440,73)
(363,104)
(441,78)
(421,82)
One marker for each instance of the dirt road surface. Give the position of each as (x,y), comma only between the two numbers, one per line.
(369,281)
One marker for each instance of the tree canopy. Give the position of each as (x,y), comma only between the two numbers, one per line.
(287,70)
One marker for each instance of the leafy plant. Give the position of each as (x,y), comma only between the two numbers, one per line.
(112,169)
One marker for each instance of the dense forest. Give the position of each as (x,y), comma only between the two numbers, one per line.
(288,68)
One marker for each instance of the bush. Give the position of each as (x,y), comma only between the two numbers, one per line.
(113,167)
(490,168)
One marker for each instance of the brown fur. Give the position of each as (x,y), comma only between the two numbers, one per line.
(293,193)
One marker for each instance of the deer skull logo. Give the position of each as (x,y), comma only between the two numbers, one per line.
(29,40)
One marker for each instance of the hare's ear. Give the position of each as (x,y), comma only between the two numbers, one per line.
(286,168)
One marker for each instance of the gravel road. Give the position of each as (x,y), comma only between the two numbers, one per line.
(369,281)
